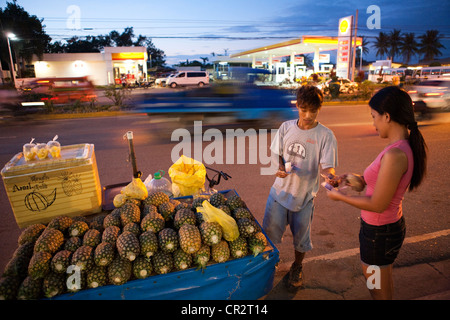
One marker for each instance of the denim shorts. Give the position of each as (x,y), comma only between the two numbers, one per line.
(380,245)
(277,217)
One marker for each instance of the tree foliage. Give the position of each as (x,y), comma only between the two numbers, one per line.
(113,39)
(29,30)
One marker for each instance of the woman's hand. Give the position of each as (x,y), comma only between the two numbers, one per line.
(334,194)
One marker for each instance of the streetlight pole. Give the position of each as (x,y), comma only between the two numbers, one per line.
(12,36)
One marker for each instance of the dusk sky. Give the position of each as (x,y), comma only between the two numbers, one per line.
(193,29)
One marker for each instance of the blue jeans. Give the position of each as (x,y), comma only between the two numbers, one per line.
(277,217)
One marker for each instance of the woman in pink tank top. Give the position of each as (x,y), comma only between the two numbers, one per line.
(399,167)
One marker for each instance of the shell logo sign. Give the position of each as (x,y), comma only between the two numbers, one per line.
(343,26)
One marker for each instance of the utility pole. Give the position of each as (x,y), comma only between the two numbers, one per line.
(353,68)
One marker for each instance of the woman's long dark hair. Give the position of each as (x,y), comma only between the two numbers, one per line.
(398,104)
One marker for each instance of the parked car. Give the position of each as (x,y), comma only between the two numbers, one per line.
(189,78)
(162,81)
(431,95)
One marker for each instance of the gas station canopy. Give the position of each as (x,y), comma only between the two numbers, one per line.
(302,45)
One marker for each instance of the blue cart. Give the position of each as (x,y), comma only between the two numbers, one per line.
(246,278)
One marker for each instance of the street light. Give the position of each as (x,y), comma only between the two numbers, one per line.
(11,36)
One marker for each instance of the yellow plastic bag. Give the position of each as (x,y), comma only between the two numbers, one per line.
(136,189)
(188,176)
(213,214)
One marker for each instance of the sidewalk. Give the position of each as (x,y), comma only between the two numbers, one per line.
(342,279)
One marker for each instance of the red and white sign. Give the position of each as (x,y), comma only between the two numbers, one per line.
(344,47)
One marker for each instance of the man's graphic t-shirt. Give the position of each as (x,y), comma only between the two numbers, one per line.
(308,151)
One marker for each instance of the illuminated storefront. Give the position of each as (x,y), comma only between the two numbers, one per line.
(113,65)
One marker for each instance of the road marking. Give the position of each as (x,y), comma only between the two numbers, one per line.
(355,251)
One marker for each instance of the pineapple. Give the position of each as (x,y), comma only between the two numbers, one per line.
(162,262)
(257,243)
(183,216)
(128,246)
(78,229)
(147,209)
(104,254)
(240,213)
(168,240)
(73,243)
(18,264)
(234,202)
(153,221)
(97,223)
(217,199)
(29,289)
(39,264)
(97,277)
(238,247)
(110,234)
(61,260)
(220,252)
(112,219)
(211,232)
(181,259)
(247,227)
(190,238)
(202,256)
(54,284)
(129,212)
(83,258)
(149,243)
(50,241)
(92,238)
(142,267)
(167,210)
(225,209)
(156,198)
(9,287)
(31,233)
(132,227)
(119,271)
(61,223)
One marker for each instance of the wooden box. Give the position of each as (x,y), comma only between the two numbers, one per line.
(40,190)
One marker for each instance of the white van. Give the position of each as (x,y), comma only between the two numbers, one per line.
(189,78)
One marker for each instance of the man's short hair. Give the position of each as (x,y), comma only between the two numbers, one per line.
(309,97)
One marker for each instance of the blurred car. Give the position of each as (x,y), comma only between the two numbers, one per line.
(431,95)
(221,103)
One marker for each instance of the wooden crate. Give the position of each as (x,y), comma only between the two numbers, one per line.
(40,190)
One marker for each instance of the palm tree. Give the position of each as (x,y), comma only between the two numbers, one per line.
(409,47)
(381,44)
(395,42)
(204,60)
(430,44)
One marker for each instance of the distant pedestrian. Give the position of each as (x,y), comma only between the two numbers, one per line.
(401,166)
(304,148)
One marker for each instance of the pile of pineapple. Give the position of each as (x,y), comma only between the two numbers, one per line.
(135,241)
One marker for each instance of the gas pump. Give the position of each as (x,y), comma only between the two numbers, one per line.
(300,71)
(281,71)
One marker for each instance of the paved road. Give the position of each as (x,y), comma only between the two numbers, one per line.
(335,225)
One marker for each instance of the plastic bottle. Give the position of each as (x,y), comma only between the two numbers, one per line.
(159,183)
